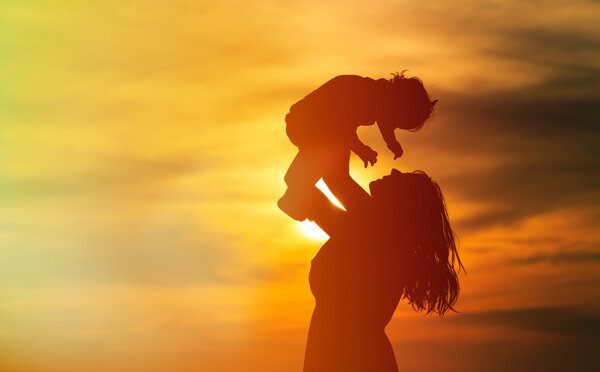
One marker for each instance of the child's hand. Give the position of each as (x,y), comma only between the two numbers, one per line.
(398,154)
(368,155)
(397,150)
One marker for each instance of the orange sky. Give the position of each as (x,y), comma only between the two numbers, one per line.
(143,150)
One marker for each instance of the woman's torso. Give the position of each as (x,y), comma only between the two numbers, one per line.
(357,289)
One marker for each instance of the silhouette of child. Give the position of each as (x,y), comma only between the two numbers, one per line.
(323,126)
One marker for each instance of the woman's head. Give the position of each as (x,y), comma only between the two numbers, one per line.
(411,210)
(405,102)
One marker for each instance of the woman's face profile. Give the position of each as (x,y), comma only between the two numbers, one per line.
(378,187)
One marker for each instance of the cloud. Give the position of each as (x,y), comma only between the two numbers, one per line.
(560,258)
(560,49)
(520,339)
(564,321)
(497,355)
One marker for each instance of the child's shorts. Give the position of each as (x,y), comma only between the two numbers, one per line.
(305,132)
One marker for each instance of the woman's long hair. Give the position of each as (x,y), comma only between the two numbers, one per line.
(415,214)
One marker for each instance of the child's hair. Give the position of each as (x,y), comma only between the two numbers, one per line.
(411,93)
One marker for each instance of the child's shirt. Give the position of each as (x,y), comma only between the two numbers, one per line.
(332,112)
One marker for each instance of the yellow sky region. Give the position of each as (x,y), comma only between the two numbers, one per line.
(146,151)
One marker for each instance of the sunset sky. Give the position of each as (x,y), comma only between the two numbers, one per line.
(143,149)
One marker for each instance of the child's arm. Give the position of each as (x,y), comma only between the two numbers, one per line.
(387,132)
(366,154)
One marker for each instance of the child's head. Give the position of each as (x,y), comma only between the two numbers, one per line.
(406,104)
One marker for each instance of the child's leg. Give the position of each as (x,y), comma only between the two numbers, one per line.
(301,177)
(304,170)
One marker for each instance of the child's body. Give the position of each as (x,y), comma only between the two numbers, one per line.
(323,126)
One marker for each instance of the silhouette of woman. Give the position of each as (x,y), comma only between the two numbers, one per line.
(396,243)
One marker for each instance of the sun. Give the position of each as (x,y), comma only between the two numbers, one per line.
(311,229)
(325,190)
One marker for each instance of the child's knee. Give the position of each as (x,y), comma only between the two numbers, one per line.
(289,178)
(294,203)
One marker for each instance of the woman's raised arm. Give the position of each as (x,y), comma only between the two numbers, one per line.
(329,217)
(324,213)
(347,191)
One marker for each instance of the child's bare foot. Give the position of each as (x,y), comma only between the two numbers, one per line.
(292,205)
